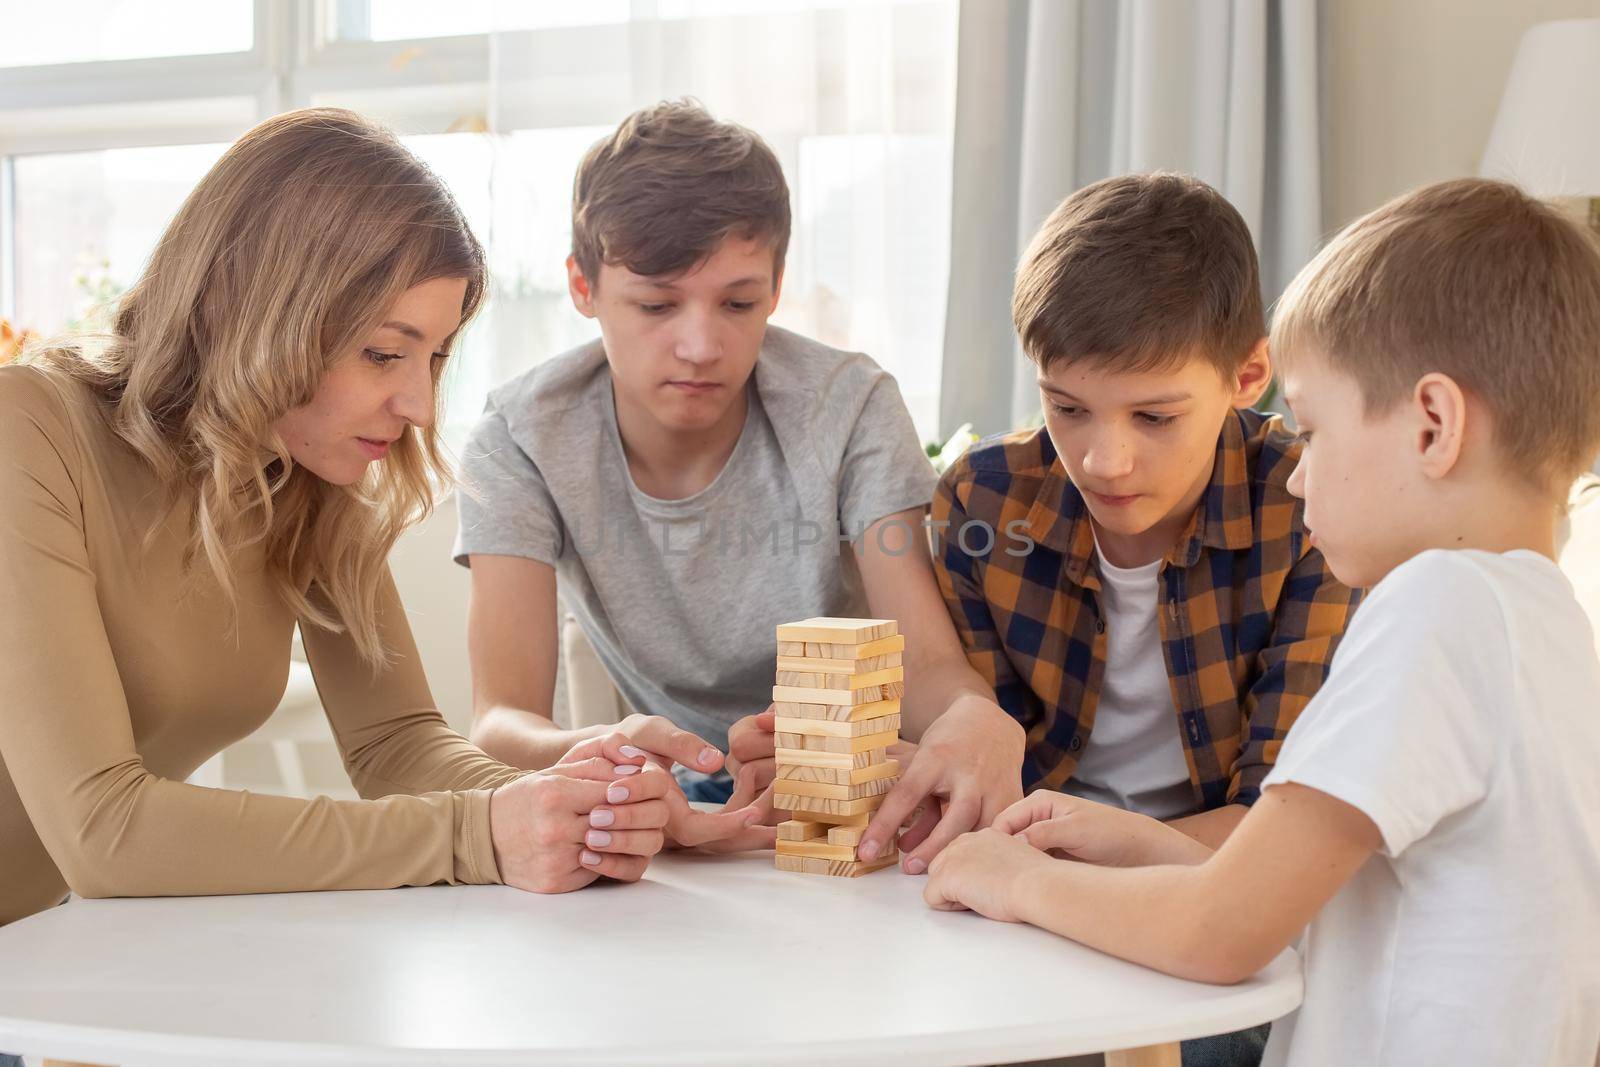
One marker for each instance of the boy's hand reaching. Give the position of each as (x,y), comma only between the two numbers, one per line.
(738,827)
(668,744)
(1072,828)
(981,871)
(964,772)
(751,748)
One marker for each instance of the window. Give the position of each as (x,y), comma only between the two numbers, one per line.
(88,30)
(86,222)
(501,99)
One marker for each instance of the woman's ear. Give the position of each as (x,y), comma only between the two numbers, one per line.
(1253,376)
(1440,409)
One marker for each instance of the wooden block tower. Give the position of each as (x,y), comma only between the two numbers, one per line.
(838,711)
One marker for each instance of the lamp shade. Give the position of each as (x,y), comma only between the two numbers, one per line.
(1547,134)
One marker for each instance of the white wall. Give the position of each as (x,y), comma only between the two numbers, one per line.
(1411,88)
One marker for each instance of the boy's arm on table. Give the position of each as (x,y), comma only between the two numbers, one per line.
(1291,854)
(512,642)
(969,751)
(511,635)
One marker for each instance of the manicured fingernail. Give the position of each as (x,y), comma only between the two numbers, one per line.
(589,859)
(867,849)
(597,839)
(616,793)
(915,866)
(602,817)
(631,752)
(708,757)
(627,768)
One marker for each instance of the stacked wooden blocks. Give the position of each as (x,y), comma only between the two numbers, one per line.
(838,711)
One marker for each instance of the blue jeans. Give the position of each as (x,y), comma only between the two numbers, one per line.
(708,788)
(1241,1049)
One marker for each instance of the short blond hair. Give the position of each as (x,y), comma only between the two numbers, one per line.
(1476,280)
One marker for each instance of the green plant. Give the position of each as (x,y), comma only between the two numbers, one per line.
(942,455)
(95,309)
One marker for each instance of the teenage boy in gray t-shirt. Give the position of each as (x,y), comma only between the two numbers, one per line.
(694,478)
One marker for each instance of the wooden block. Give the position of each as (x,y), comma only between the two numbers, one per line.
(820,850)
(829,650)
(883,724)
(813,680)
(848,868)
(796,864)
(802,695)
(845,835)
(800,772)
(825,665)
(838,631)
(796,830)
(798,757)
(821,743)
(818,806)
(875,787)
(860,818)
(791,709)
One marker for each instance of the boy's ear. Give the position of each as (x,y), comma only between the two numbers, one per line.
(579,288)
(1253,376)
(1440,408)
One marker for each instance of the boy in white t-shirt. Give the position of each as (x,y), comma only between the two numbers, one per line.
(1434,815)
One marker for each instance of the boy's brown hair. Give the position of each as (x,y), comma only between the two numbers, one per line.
(1476,280)
(659,194)
(1138,273)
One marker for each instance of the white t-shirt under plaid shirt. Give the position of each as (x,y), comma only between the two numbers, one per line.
(1462,715)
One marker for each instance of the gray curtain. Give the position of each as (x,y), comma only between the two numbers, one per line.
(1054,94)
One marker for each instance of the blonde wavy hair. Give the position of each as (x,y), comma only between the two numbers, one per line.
(284,257)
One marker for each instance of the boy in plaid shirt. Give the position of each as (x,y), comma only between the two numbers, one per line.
(1134,579)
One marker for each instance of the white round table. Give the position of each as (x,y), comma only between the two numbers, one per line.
(708,960)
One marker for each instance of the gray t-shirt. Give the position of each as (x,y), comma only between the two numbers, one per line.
(681,598)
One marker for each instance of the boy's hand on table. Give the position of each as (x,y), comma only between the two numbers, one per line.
(737,827)
(751,745)
(1072,828)
(964,772)
(980,871)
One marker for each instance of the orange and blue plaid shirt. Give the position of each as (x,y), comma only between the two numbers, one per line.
(1248,610)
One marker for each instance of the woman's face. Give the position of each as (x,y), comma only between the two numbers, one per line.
(373,395)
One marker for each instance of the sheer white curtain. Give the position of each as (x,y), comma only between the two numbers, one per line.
(856,98)
(1056,94)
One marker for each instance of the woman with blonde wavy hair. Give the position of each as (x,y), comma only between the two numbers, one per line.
(239,455)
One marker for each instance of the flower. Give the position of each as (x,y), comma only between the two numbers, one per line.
(11,341)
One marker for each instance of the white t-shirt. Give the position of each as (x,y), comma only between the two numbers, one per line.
(1134,759)
(1462,715)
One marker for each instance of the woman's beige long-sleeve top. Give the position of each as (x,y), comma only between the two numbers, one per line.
(120,673)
